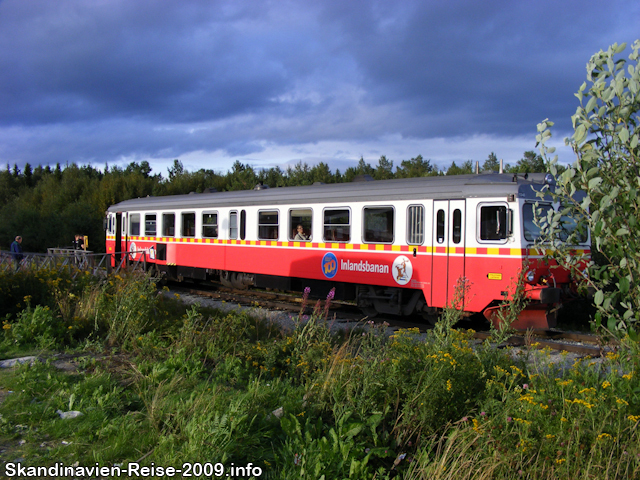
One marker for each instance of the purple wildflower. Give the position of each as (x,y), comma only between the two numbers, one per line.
(305,297)
(327,303)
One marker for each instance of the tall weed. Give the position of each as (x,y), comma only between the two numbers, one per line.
(126,308)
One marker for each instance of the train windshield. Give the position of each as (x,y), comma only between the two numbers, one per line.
(532,231)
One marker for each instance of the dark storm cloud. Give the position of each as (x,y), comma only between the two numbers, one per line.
(106,81)
(70,61)
(498,66)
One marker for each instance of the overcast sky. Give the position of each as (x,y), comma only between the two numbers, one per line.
(277,82)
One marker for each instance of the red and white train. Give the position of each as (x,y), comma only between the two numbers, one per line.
(394,246)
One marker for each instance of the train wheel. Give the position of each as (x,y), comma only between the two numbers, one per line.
(370,312)
(431,318)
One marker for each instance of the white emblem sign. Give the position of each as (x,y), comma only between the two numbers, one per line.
(402,270)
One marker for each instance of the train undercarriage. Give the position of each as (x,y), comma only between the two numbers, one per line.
(372,300)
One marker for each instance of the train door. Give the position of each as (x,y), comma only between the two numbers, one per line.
(448,249)
(118,235)
(125,233)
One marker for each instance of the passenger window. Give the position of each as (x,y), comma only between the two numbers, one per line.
(233,225)
(415,223)
(337,225)
(188,224)
(440,220)
(268,225)
(134,224)
(243,224)
(300,225)
(168,224)
(209,225)
(378,224)
(457,225)
(150,225)
(493,222)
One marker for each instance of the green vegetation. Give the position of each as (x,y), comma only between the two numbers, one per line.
(605,141)
(161,384)
(47,207)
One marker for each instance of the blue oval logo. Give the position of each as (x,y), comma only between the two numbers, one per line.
(329,265)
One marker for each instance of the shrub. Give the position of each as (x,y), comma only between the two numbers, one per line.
(35,327)
(605,142)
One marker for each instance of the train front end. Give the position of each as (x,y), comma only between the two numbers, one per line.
(543,286)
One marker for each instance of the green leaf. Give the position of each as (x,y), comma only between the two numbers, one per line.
(592,171)
(619,48)
(594,182)
(623,285)
(623,135)
(598,297)
(580,134)
(622,231)
(591,104)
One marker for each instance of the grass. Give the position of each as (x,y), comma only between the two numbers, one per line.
(161,384)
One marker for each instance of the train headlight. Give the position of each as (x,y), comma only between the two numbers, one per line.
(531,275)
(550,180)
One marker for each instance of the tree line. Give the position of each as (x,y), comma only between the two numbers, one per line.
(48,206)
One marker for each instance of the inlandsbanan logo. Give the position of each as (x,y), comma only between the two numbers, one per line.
(363,266)
(402,270)
(329,265)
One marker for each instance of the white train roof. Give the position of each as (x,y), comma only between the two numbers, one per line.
(441,187)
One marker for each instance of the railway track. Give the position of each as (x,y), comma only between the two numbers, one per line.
(578,343)
(271,300)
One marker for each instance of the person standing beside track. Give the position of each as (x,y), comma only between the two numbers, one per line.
(78,242)
(16,251)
